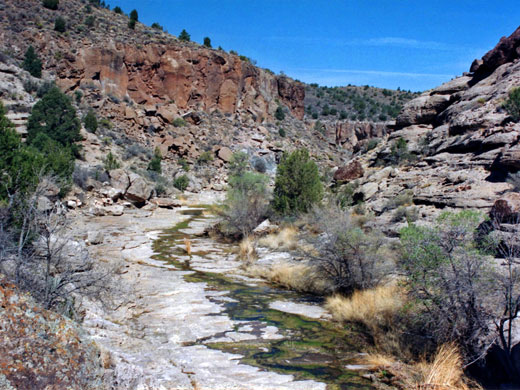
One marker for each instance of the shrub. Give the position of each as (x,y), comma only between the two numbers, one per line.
(55,116)
(30,86)
(403,199)
(279,114)
(155,162)
(32,63)
(350,257)
(90,121)
(78,95)
(60,25)
(51,4)
(181,183)
(110,162)
(246,199)
(118,10)
(399,152)
(512,104)
(184,36)
(409,214)
(205,157)
(450,278)
(281,132)
(207,42)
(297,183)
(514,180)
(184,164)
(90,21)
(44,88)
(131,24)
(179,122)
(259,164)
(320,127)
(157,26)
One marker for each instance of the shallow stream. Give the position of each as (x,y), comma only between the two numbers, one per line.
(305,348)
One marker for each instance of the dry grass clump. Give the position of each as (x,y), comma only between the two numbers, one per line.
(370,307)
(286,238)
(297,277)
(246,250)
(444,372)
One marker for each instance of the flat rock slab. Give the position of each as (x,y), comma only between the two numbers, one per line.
(302,309)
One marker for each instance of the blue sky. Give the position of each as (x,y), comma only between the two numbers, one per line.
(411,44)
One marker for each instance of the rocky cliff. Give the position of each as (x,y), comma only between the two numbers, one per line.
(461,144)
(143,66)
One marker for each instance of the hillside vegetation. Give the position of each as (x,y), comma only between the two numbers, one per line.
(356,103)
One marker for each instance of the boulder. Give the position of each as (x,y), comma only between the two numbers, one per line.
(368,190)
(422,110)
(115,210)
(265,227)
(507,208)
(119,180)
(225,154)
(139,191)
(166,203)
(95,237)
(350,172)
(43,204)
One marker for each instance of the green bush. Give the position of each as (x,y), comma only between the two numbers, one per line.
(184,164)
(279,114)
(21,165)
(512,104)
(399,152)
(281,132)
(60,25)
(157,26)
(247,197)
(451,280)
(155,162)
(51,4)
(181,183)
(184,36)
(297,183)
(118,10)
(90,21)
(205,157)
(207,42)
(55,116)
(131,24)
(90,121)
(179,122)
(32,63)
(110,162)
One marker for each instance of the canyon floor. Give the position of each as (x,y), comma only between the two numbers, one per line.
(173,322)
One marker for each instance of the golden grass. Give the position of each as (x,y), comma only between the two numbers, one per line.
(376,360)
(187,245)
(370,307)
(246,249)
(444,372)
(286,238)
(297,277)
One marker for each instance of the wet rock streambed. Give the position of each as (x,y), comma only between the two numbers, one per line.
(272,329)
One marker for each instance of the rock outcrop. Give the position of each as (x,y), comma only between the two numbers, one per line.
(460,145)
(40,349)
(145,66)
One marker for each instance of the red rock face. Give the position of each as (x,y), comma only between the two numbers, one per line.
(201,79)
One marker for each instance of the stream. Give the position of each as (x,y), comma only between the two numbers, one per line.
(272,340)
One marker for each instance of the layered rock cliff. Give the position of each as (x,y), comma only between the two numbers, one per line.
(461,144)
(145,66)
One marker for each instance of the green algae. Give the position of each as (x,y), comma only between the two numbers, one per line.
(311,349)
